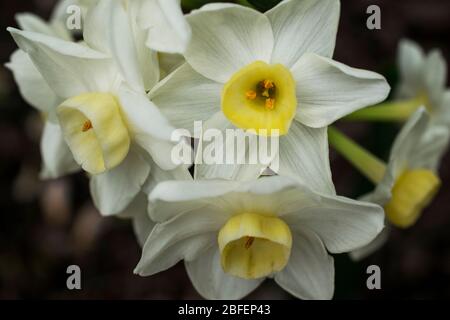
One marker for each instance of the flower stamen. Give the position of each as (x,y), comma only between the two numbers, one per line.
(251,95)
(270,104)
(87,126)
(249,242)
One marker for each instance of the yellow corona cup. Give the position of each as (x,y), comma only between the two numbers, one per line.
(413,191)
(253,246)
(261,97)
(95,131)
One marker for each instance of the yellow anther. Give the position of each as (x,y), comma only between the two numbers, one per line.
(87,126)
(251,95)
(249,242)
(267,84)
(270,104)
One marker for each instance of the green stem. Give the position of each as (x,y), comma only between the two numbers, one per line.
(368,164)
(396,111)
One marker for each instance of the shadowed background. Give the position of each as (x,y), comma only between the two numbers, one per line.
(46,226)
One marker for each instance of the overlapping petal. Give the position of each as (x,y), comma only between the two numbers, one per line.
(328,90)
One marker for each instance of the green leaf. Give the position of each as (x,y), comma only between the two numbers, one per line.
(264,5)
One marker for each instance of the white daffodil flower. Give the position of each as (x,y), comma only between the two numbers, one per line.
(166,26)
(232,235)
(105,115)
(407,184)
(268,71)
(57,160)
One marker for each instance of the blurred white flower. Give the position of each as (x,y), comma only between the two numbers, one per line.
(105,115)
(268,71)
(232,235)
(410,180)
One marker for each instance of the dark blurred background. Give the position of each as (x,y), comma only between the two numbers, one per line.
(45,226)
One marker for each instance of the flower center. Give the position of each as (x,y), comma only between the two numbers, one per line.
(253,246)
(261,97)
(94,131)
(412,192)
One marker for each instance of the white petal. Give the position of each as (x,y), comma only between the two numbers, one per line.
(158,175)
(328,90)
(435,75)
(31,22)
(406,143)
(183,237)
(144,119)
(56,156)
(69,68)
(169,62)
(123,47)
(410,60)
(432,147)
(171,198)
(32,86)
(147,58)
(226,38)
(303,26)
(376,244)
(304,156)
(211,282)
(186,96)
(167,28)
(310,270)
(343,224)
(137,211)
(96,28)
(245,162)
(161,152)
(262,195)
(114,190)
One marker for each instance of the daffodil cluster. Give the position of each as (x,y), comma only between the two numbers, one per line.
(113,94)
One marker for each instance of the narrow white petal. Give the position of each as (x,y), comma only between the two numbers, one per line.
(123,46)
(137,211)
(183,237)
(432,146)
(211,282)
(32,85)
(328,90)
(186,96)
(411,60)
(114,190)
(406,144)
(144,118)
(245,163)
(310,271)
(263,195)
(435,75)
(226,38)
(167,28)
(373,246)
(31,22)
(304,156)
(303,26)
(56,156)
(69,68)
(343,224)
